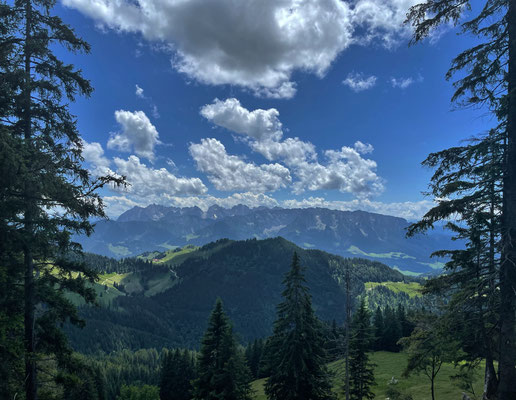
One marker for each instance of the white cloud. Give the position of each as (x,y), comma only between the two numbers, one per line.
(93,154)
(155,183)
(155,111)
(137,134)
(153,107)
(382,20)
(344,170)
(116,205)
(258,124)
(292,151)
(358,82)
(363,148)
(231,173)
(253,44)
(139,92)
(401,83)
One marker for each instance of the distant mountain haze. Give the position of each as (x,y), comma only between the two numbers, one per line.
(346,233)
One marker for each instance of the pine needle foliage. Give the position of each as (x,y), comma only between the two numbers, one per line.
(222,371)
(296,349)
(361,369)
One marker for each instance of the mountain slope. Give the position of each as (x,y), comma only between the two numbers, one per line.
(246,275)
(358,233)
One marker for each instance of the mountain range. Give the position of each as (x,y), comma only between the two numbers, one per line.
(346,233)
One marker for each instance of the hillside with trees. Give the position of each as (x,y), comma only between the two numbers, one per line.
(166,303)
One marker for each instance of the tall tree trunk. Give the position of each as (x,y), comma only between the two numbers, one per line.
(490,380)
(507,362)
(348,323)
(432,379)
(490,377)
(31,392)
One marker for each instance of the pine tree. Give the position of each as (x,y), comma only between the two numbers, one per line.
(487,78)
(46,194)
(296,353)
(361,369)
(379,329)
(392,331)
(222,371)
(253,354)
(405,325)
(468,179)
(177,374)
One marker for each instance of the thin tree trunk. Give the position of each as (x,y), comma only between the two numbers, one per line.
(433,379)
(348,323)
(31,392)
(507,362)
(490,377)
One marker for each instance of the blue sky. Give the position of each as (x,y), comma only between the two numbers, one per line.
(290,103)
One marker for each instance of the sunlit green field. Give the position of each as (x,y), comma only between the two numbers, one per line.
(390,365)
(412,288)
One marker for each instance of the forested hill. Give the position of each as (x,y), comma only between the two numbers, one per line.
(167,304)
(347,233)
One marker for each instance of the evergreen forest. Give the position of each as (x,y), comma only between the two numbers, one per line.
(249,316)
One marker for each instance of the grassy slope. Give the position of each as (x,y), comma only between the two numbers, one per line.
(175,257)
(412,288)
(392,364)
(172,256)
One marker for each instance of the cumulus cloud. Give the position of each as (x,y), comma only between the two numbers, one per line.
(138,134)
(363,148)
(155,183)
(258,124)
(358,82)
(116,205)
(344,170)
(93,154)
(253,44)
(231,173)
(382,20)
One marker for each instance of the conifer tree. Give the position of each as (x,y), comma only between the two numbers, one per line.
(46,194)
(222,371)
(392,331)
(488,79)
(468,179)
(296,353)
(379,329)
(177,374)
(253,355)
(361,369)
